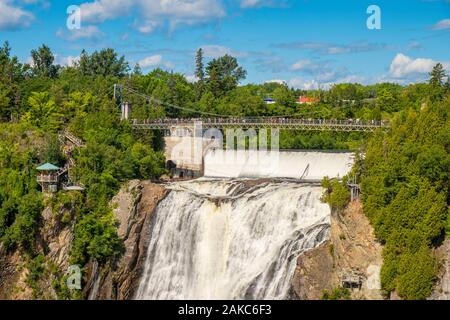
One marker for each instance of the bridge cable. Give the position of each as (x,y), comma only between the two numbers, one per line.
(149,98)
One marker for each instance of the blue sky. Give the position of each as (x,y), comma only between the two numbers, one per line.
(305,43)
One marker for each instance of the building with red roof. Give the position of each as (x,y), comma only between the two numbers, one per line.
(306,100)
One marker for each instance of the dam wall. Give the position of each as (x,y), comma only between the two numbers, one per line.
(303,165)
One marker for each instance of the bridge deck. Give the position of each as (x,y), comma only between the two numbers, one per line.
(259,123)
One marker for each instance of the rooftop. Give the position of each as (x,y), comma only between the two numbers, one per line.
(47,167)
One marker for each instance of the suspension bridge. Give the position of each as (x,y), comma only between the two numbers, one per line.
(186,139)
(260,123)
(210,120)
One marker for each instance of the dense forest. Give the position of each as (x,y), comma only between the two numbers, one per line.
(404,173)
(405,183)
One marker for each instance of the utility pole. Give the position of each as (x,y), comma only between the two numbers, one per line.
(118,93)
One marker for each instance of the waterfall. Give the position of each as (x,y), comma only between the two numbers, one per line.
(231,239)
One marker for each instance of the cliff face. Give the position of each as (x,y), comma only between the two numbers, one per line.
(351,250)
(442,287)
(134,206)
(54,238)
(351,253)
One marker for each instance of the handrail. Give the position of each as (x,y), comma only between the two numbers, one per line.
(263,120)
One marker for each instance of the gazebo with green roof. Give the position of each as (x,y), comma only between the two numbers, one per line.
(48,177)
(48,167)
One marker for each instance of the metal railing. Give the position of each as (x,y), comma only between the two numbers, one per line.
(265,122)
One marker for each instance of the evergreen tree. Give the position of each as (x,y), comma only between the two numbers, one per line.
(437,78)
(447,85)
(199,74)
(137,71)
(437,75)
(199,66)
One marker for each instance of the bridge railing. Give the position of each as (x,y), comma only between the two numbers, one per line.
(261,121)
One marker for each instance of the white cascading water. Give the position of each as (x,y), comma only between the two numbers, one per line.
(231,239)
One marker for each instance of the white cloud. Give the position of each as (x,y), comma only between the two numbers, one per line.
(151,61)
(155,61)
(153,13)
(68,61)
(250,3)
(12,17)
(405,67)
(299,83)
(333,49)
(307,65)
(262,3)
(322,71)
(215,51)
(101,10)
(191,78)
(88,32)
(324,84)
(442,25)
(148,26)
(276,81)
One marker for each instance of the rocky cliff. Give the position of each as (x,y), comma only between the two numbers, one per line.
(351,253)
(54,239)
(442,287)
(134,206)
(351,256)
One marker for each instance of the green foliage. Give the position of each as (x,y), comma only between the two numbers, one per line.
(22,231)
(96,237)
(437,75)
(20,203)
(224,74)
(36,271)
(336,294)
(43,112)
(199,65)
(404,175)
(43,59)
(416,274)
(405,195)
(103,63)
(336,193)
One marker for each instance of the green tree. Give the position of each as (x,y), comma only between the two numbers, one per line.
(199,73)
(387,100)
(405,195)
(284,97)
(336,193)
(137,71)
(224,74)
(437,75)
(5,102)
(199,66)
(105,62)
(43,60)
(43,112)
